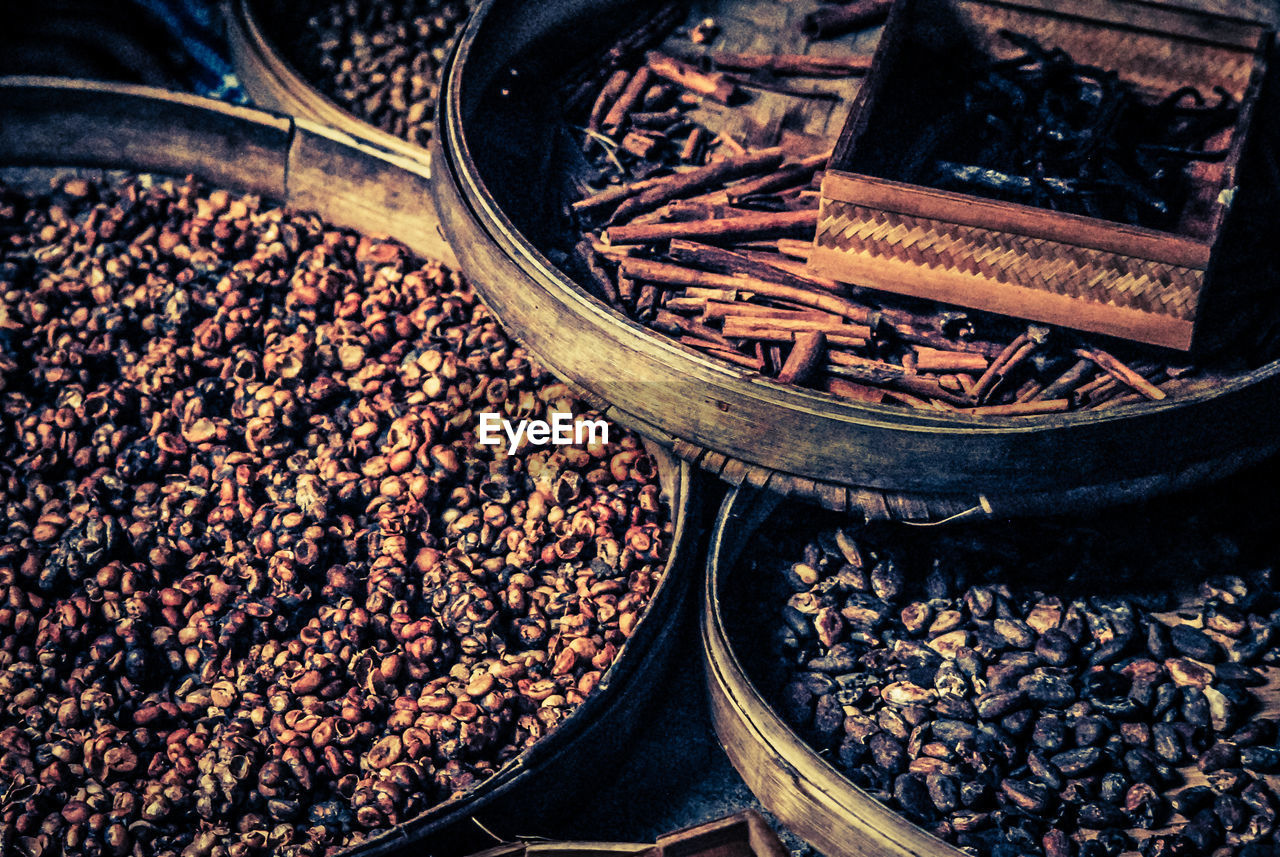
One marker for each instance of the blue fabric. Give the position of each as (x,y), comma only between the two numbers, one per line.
(196,26)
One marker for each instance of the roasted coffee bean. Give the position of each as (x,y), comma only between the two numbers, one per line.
(1096,816)
(1055,648)
(1263,760)
(1167,743)
(1064,715)
(1050,732)
(944,792)
(1191,800)
(1028,795)
(995,705)
(1112,788)
(1194,644)
(1227,779)
(887,753)
(1091,730)
(262,589)
(1075,763)
(913,798)
(1044,770)
(1146,808)
(1224,754)
(1230,811)
(1046,689)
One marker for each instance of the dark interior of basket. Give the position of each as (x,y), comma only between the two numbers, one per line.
(924,106)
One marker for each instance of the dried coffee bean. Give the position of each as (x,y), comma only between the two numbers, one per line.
(1146,808)
(1055,648)
(1047,689)
(1050,732)
(1224,754)
(1028,795)
(1112,788)
(1191,800)
(1263,760)
(1075,763)
(944,792)
(1230,811)
(1096,816)
(1091,730)
(1015,632)
(887,753)
(995,705)
(913,797)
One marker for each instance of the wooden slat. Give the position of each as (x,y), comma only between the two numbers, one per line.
(974,290)
(1073,229)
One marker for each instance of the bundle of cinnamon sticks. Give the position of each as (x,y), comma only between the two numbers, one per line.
(706,240)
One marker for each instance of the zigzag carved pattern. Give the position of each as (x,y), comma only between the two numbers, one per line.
(1036,263)
(1151,61)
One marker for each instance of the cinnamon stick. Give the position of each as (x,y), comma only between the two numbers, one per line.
(725,261)
(804,357)
(617,193)
(711,84)
(694,306)
(693,145)
(989,377)
(1122,373)
(747,226)
(895,377)
(630,96)
(788,176)
(719,311)
(935,360)
(797,270)
(836,20)
(608,95)
(688,183)
(852,391)
(723,353)
(669,274)
(604,287)
(1017,409)
(795,247)
(785,329)
(669,322)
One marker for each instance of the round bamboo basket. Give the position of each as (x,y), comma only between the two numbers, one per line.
(789,778)
(495,153)
(253,28)
(67,123)
(793,781)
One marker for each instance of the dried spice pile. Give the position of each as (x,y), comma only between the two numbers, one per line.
(260,588)
(693,235)
(381,59)
(1045,130)
(1000,691)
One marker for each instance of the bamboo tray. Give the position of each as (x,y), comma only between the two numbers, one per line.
(1133,282)
(67,123)
(494,157)
(790,779)
(273,82)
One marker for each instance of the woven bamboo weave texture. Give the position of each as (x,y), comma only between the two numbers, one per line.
(1036,263)
(1154,62)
